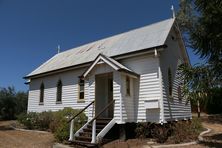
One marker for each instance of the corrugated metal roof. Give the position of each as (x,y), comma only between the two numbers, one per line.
(142,38)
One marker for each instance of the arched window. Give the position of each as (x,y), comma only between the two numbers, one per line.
(170,82)
(41,98)
(127,86)
(59,92)
(179,93)
(81,89)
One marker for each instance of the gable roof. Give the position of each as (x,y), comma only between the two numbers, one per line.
(153,35)
(111,62)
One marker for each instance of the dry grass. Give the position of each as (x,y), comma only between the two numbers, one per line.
(10,138)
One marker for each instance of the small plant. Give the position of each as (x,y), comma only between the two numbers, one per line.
(56,122)
(161,132)
(143,129)
(29,120)
(185,131)
(174,132)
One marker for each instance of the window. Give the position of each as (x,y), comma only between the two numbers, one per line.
(127,86)
(179,93)
(59,92)
(170,83)
(81,89)
(41,98)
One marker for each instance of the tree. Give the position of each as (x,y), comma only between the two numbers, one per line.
(7,103)
(197,83)
(12,103)
(200,22)
(21,102)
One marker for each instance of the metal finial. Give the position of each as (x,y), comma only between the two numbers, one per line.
(172,8)
(58,48)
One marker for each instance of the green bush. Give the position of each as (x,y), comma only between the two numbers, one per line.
(44,119)
(12,103)
(56,122)
(59,125)
(29,120)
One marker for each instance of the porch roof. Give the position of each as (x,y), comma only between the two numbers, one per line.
(112,63)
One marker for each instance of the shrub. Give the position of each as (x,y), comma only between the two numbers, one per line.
(56,122)
(174,132)
(185,131)
(44,119)
(161,132)
(29,120)
(59,125)
(143,130)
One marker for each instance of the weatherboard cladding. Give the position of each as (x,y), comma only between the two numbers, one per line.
(174,108)
(135,40)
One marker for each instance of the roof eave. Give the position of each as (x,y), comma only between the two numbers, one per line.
(89,63)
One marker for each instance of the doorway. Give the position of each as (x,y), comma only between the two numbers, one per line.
(104,94)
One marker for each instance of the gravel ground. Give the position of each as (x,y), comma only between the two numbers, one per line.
(10,138)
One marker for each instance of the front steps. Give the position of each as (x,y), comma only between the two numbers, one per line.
(84,137)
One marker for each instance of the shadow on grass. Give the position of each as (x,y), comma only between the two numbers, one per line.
(212,144)
(5,128)
(214,137)
(213,118)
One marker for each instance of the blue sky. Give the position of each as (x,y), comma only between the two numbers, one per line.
(30,30)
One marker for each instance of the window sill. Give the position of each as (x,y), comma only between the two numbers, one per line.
(41,103)
(58,102)
(81,101)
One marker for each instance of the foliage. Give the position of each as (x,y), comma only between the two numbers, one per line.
(185,131)
(56,122)
(143,129)
(29,120)
(12,103)
(21,102)
(161,132)
(213,104)
(59,125)
(201,88)
(197,81)
(174,132)
(200,22)
(156,131)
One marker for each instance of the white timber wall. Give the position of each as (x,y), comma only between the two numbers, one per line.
(174,108)
(146,87)
(128,109)
(69,92)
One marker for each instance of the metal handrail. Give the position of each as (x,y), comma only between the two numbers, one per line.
(81,111)
(107,106)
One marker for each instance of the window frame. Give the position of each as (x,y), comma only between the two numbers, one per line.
(179,93)
(170,83)
(41,94)
(127,85)
(59,92)
(81,84)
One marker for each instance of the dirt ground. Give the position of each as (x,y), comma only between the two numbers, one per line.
(10,138)
(213,139)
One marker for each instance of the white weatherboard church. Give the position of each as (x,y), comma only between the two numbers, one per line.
(129,77)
